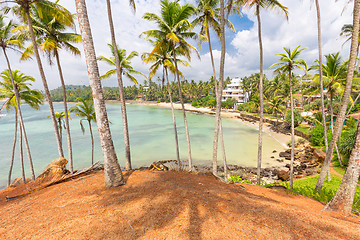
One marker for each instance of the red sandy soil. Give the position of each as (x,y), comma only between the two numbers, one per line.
(167,205)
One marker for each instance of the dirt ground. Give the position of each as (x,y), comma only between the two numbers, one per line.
(167,205)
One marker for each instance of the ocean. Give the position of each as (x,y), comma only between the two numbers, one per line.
(151,139)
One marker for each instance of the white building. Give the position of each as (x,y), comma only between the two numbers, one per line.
(234,90)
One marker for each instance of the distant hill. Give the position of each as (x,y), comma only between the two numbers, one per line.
(83,91)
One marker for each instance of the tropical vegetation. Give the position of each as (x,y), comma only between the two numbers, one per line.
(316,99)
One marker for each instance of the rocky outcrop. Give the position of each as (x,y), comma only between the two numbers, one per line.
(55,168)
(283,175)
(306,160)
(320,155)
(18,181)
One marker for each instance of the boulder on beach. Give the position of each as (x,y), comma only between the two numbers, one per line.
(56,167)
(18,181)
(283,175)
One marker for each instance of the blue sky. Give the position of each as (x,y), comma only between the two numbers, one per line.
(242,56)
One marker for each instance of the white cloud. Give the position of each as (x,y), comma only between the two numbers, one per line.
(276,32)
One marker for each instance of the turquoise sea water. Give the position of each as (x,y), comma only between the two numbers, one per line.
(151,139)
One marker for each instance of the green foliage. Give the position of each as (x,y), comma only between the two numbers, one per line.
(317,135)
(347,141)
(307,107)
(248,107)
(297,117)
(306,187)
(208,101)
(304,129)
(229,103)
(351,123)
(236,179)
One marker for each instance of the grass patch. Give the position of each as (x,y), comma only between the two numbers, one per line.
(304,129)
(306,187)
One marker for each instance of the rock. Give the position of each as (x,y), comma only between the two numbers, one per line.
(280,160)
(56,167)
(284,154)
(283,175)
(274,151)
(287,165)
(272,157)
(158,166)
(18,181)
(302,166)
(319,155)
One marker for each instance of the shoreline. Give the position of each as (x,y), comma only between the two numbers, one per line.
(281,138)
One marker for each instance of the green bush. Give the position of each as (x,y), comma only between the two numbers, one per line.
(195,103)
(297,117)
(307,108)
(347,141)
(317,136)
(212,103)
(229,103)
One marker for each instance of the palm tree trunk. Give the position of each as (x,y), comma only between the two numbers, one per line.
(27,147)
(344,197)
(92,143)
(21,154)
(345,99)
(60,130)
(112,170)
(332,130)
(357,97)
(223,151)
(13,150)
(321,74)
(292,133)
(261,120)
(219,90)
(68,136)
(46,88)
(17,97)
(121,90)
(174,120)
(216,91)
(183,109)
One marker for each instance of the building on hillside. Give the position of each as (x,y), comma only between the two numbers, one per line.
(234,90)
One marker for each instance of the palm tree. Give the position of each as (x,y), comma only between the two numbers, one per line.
(60,14)
(208,12)
(344,197)
(335,77)
(321,78)
(112,170)
(289,61)
(126,69)
(258,4)
(218,93)
(346,31)
(9,41)
(118,65)
(29,96)
(334,74)
(162,57)
(85,110)
(276,106)
(174,26)
(61,122)
(51,39)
